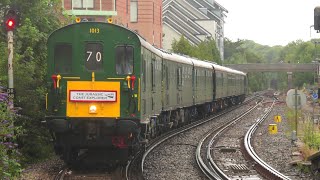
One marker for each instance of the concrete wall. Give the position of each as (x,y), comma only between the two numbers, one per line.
(169,36)
(209,25)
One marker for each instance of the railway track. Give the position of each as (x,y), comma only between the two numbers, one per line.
(86,168)
(203,152)
(261,166)
(95,174)
(61,174)
(135,167)
(213,170)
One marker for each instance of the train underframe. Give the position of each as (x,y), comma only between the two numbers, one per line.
(167,120)
(118,139)
(113,139)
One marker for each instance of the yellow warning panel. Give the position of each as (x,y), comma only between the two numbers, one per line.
(277,119)
(273,129)
(93,99)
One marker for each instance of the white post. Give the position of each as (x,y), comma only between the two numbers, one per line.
(10,68)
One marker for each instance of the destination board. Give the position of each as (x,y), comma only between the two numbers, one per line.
(92,96)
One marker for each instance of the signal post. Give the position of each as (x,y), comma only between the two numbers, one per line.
(10,69)
(11,19)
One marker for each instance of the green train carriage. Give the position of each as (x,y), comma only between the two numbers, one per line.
(110,89)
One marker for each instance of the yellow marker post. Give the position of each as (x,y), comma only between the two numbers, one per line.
(277,119)
(273,129)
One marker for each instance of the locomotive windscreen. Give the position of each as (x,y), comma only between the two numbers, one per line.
(124,60)
(63,58)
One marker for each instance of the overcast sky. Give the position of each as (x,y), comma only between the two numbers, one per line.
(269,22)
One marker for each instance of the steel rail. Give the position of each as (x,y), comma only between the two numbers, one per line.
(131,164)
(61,174)
(214,172)
(274,174)
(178,131)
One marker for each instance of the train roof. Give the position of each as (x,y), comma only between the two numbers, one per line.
(226,69)
(171,56)
(203,64)
(166,55)
(187,60)
(182,58)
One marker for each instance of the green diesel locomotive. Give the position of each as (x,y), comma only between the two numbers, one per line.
(109,89)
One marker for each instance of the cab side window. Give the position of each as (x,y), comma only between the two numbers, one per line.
(124,60)
(63,58)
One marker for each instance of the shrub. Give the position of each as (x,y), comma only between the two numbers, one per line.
(9,154)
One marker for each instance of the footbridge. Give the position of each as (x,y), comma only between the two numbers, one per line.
(289,68)
(275,67)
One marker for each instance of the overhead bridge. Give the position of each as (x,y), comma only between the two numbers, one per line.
(278,67)
(275,67)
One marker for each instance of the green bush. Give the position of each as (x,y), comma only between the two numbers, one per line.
(10,157)
(311,137)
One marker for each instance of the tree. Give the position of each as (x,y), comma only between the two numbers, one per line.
(230,47)
(182,46)
(206,50)
(38,19)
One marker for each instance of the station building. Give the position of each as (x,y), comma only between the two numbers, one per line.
(142,16)
(196,20)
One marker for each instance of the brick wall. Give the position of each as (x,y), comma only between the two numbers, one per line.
(149,24)
(106,5)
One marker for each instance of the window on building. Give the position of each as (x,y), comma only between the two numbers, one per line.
(133,11)
(83,4)
(63,58)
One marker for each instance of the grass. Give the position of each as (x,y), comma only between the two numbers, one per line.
(307,131)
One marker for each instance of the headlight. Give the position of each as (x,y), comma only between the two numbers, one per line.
(92,109)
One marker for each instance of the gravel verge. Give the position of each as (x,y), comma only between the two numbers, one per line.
(43,170)
(278,150)
(175,158)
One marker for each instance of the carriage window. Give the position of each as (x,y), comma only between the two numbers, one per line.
(124,60)
(179,77)
(153,74)
(63,58)
(167,76)
(94,56)
(144,75)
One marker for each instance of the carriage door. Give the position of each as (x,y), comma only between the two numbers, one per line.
(193,84)
(213,83)
(179,85)
(164,84)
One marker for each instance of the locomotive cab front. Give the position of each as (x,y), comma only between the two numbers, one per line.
(93,90)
